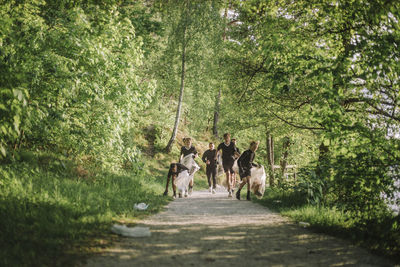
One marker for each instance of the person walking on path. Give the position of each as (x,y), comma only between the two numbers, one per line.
(174,170)
(228,159)
(187,149)
(245,163)
(211,166)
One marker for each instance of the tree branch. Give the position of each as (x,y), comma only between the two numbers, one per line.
(251,78)
(295,125)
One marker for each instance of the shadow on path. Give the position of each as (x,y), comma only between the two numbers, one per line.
(214,230)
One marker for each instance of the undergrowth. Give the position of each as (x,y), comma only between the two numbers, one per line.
(50,210)
(380,236)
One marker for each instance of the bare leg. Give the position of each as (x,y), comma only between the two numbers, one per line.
(243,183)
(233,180)
(228,180)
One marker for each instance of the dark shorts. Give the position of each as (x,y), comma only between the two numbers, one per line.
(244,173)
(227,165)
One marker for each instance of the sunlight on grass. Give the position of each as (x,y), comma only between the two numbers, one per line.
(319,216)
(380,236)
(49,211)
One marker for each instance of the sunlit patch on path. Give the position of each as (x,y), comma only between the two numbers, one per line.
(214,230)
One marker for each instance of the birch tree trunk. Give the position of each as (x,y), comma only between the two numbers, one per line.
(218,99)
(216,114)
(178,111)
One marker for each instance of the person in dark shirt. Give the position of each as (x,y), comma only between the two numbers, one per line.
(245,163)
(174,170)
(237,150)
(228,159)
(186,150)
(211,166)
(236,156)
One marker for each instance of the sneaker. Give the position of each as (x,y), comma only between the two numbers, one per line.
(230,194)
(248,196)
(213,191)
(210,189)
(238,195)
(174,195)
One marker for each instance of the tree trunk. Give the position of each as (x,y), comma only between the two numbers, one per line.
(178,111)
(216,114)
(270,158)
(283,163)
(218,99)
(323,159)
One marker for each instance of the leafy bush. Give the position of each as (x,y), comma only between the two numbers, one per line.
(77,71)
(359,182)
(312,185)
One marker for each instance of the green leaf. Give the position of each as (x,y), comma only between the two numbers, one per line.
(19,94)
(3,151)
(4,129)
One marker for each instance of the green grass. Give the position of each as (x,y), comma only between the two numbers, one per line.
(380,236)
(50,215)
(321,218)
(54,211)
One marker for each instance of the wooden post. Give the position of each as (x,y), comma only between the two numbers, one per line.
(270,157)
(285,154)
(322,158)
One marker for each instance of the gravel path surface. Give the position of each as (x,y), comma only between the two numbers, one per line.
(214,230)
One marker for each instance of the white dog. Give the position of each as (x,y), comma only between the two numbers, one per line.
(184,178)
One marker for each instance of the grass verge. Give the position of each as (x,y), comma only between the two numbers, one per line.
(51,216)
(378,236)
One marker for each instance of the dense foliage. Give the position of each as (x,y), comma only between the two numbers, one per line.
(71,79)
(330,69)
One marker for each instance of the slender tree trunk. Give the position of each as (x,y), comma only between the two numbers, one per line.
(323,159)
(283,163)
(216,114)
(178,111)
(227,3)
(270,158)
(218,99)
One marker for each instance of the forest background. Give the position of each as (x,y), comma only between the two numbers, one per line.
(95,97)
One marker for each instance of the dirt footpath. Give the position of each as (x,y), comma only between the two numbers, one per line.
(214,230)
